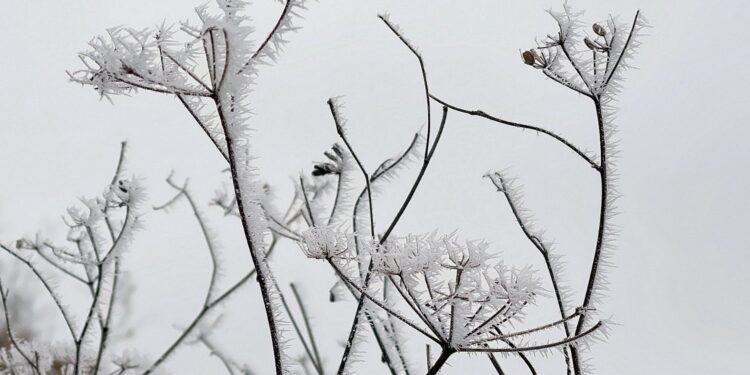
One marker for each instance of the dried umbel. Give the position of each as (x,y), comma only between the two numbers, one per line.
(408,255)
(324,243)
(477,300)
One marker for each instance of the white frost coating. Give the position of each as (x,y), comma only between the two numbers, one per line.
(553,259)
(620,58)
(233,107)
(324,243)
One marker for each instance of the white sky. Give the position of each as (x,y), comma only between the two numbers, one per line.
(680,289)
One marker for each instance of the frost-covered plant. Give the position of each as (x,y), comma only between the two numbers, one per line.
(100,231)
(453,293)
(451,288)
(209,67)
(592,66)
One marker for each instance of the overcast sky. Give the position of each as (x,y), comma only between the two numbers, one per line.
(679,291)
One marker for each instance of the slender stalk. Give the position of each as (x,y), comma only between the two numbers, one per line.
(48,287)
(380,304)
(183,191)
(118,170)
(202,313)
(297,329)
(92,310)
(308,327)
(604,196)
(444,355)
(523,356)
(425,164)
(203,126)
(108,320)
(483,114)
(533,348)
(624,49)
(495,364)
(214,351)
(422,69)
(13,342)
(258,261)
(534,239)
(284,13)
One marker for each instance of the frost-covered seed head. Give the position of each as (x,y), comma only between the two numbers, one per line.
(323,243)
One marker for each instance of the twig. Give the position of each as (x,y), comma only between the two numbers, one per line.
(483,114)
(307,326)
(14,343)
(301,337)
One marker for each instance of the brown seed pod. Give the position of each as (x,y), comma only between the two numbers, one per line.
(529,57)
(599,29)
(590,44)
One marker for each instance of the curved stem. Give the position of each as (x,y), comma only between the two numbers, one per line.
(483,114)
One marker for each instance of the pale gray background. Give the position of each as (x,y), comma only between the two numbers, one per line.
(680,289)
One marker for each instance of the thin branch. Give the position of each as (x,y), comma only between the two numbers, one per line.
(256,254)
(528,331)
(118,171)
(60,266)
(14,343)
(279,22)
(557,78)
(203,127)
(624,49)
(214,351)
(307,201)
(188,71)
(301,337)
(503,187)
(425,164)
(48,287)
(412,301)
(382,305)
(483,114)
(90,316)
(523,356)
(340,131)
(165,90)
(535,347)
(308,327)
(182,191)
(106,325)
(416,54)
(201,314)
(495,364)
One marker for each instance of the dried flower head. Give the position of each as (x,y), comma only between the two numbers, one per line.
(324,243)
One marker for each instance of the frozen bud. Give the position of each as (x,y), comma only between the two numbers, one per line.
(529,57)
(599,29)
